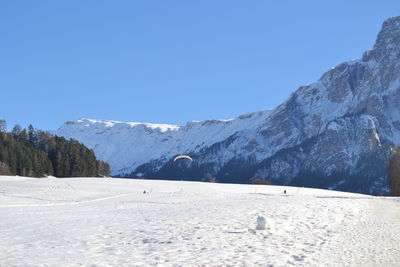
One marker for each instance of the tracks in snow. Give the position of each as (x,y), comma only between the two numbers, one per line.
(62,203)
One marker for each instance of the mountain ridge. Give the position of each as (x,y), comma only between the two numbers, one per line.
(337,132)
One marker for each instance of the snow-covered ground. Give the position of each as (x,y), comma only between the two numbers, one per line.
(111,222)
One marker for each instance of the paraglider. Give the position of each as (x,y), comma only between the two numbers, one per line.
(183,156)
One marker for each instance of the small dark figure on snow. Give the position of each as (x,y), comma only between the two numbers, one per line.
(284,191)
(144,192)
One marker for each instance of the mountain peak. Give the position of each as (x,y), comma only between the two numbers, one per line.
(388,41)
(392,23)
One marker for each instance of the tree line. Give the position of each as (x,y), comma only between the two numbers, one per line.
(36,153)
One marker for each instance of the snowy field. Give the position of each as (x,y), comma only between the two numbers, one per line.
(111,222)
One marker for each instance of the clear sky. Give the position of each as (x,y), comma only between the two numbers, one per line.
(171,61)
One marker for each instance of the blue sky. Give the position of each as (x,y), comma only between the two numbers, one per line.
(171,61)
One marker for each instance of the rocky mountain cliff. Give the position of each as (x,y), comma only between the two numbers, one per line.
(335,133)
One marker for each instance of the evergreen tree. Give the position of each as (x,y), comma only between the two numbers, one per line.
(394,173)
(32,136)
(16,131)
(4,169)
(23,136)
(103,169)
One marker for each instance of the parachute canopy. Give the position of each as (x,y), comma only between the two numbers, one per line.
(183,156)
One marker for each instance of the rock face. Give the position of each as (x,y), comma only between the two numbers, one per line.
(335,133)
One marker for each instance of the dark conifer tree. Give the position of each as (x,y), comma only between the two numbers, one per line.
(16,131)
(32,136)
(394,173)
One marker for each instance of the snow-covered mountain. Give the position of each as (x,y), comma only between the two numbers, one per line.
(335,133)
(128,145)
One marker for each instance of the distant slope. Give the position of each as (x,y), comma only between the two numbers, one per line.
(128,145)
(335,133)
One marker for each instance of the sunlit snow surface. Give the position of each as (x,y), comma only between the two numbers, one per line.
(111,222)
